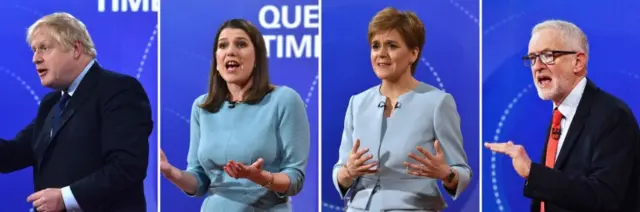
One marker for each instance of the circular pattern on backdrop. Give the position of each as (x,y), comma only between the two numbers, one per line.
(29,10)
(433,72)
(138,75)
(12,74)
(22,82)
(464,10)
(146,52)
(505,114)
(311,89)
(496,137)
(503,22)
(180,116)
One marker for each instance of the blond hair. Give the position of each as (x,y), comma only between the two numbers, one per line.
(67,30)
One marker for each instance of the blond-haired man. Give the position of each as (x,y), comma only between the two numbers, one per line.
(88,144)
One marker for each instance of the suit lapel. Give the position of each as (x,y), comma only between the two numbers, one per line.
(543,160)
(76,101)
(577,124)
(43,139)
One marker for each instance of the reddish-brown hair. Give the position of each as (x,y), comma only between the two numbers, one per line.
(406,23)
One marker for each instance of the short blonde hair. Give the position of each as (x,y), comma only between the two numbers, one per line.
(66,30)
(408,25)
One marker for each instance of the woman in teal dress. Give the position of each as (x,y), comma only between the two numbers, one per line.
(249,139)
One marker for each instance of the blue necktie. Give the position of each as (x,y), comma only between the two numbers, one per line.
(57,115)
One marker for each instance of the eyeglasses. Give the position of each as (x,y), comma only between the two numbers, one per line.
(547,57)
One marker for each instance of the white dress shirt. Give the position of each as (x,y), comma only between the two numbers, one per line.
(568,109)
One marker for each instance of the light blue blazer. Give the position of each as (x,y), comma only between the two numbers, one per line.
(424,115)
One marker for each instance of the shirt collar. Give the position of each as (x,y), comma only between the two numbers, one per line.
(74,85)
(569,106)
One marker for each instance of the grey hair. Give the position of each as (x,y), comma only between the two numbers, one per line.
(66,31)
(572,36)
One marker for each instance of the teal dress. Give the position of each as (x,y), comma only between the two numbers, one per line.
(276,130)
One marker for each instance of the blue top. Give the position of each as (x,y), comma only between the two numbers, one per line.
(276,130)
(423,115)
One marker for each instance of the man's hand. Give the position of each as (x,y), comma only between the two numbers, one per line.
(520,159)
(47,200)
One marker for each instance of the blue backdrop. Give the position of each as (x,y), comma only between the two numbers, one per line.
(188,30)
(125,41)
(511,107)
(449,61)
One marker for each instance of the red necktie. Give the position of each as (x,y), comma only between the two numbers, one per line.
(552,144)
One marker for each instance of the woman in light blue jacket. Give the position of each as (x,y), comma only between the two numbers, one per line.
(403,136)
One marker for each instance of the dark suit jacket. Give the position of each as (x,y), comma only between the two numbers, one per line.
(598,165)
(101,149)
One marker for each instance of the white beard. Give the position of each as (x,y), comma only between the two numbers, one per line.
(559,87)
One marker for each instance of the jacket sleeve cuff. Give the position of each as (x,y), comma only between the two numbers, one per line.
(464,178)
